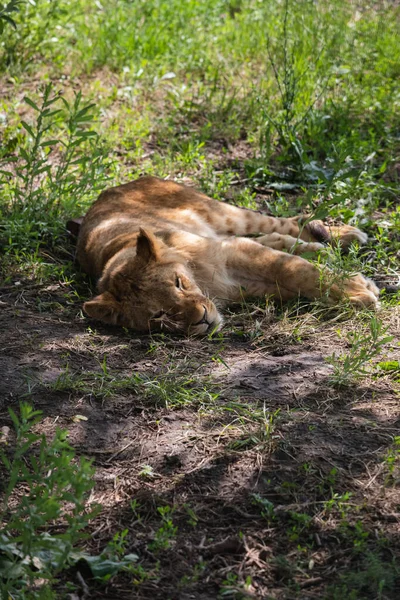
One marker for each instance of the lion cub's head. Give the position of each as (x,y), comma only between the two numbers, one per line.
(151,288)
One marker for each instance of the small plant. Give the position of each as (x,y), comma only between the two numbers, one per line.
(338,502)
(356,533)
(146,472)
(266,506)
(114,559)
(392,462)
(364,346)
(300,524)
(167,532)
(328,482)
(194,577)
(231,587)
(135,507)
(263,436)
(193,518)
(55,489)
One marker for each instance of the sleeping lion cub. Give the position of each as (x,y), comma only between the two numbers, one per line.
(166,256)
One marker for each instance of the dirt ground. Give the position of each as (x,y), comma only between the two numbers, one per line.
(207,457)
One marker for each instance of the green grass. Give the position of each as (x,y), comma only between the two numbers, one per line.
(173,387)
(312,92)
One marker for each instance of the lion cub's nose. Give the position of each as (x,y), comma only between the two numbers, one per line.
(204,318)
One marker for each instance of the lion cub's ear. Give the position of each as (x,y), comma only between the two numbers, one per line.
(147,246)
(103,308)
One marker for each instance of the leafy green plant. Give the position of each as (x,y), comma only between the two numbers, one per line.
(300,81)
(55,489)
(113,559)
(300,525)
(48,177)
(35,32)
(193,518)
(337,502)
(195,575)
(356,533)
(146,472)
(244,418)
(5,12)
(364,346)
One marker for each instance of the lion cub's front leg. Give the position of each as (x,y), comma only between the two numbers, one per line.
(306,240)
(297,246)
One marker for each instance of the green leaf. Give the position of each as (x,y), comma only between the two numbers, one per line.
(51,113)
(28,128)
(5,460)
(25,155)
(9,20)
(104,567)
(83,111)
(65,102)
(31,103)
(11,570)
(49,143)
(14,419)
(385,340)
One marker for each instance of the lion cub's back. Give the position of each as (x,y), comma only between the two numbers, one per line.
(112,215)
(119,212)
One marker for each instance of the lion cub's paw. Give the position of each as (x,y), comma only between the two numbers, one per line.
(362,292)
(346,235)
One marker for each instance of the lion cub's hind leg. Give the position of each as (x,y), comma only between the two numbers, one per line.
(342,235)
(345,235)
(279,241)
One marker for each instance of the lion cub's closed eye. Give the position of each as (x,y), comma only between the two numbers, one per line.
(164,254)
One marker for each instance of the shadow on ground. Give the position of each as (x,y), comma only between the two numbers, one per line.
(280,486)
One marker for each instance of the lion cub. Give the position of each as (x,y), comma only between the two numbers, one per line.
(166,256)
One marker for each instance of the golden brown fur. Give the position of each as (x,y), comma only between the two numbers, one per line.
(164,253)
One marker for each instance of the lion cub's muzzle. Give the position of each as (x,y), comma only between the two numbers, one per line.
(208,322)
(204,319)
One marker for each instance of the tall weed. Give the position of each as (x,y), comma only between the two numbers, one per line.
(58,162)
